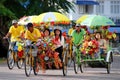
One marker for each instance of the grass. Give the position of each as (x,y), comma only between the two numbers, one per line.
(2,60)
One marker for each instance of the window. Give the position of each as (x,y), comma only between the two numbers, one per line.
(81,9)
(100,7)
(115,7)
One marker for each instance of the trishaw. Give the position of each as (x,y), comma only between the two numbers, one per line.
(43,58)
(92,56)
(103,60)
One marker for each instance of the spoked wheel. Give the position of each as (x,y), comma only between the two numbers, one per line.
(36,66)
(10,59)
(65,64)
(28,65)
(76,66)
(20,63)
(108,64)
(81,68)
(70,59)
(108,67)
(69,62)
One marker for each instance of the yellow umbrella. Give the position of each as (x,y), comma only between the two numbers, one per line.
(53,17)
(35,19)
(82,18)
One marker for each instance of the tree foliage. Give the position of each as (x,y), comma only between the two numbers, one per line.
(15,9)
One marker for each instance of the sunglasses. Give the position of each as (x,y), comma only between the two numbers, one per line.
(77,26)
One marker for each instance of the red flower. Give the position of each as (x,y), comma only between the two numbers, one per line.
(56,55)
(42,23)
(52,23)
(64,34)
(20,54)
(110,33)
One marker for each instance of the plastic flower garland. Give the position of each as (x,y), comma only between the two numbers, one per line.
(47,55)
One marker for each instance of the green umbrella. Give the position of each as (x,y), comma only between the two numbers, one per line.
(97,20)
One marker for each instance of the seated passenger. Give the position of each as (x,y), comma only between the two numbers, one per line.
(59,40)
(102,42)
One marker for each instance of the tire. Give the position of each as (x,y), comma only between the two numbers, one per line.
(36,66)
(76,66)
(10,59)
(108,64)
(70,59)
(65,60)
(20,63)
(28,65)
(108,67)
(81,68)
(69,62)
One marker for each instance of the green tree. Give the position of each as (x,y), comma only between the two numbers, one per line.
(15,9)
(35,7)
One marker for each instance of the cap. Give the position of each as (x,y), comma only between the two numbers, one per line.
(77,25)
(14,21)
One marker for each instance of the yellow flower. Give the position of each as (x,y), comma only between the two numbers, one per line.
(114,35)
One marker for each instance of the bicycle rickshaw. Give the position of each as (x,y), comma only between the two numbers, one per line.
(92,58)
(43,58)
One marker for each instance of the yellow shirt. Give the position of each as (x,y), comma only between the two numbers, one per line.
(70,31)
(32,36)
(15,32)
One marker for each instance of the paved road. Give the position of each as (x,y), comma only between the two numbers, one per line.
(89,73)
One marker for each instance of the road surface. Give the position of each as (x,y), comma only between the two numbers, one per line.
(89,73)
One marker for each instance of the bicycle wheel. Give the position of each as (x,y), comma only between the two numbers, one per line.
(70,58)
(65,64)
(108,64)
(10,59)
(28,65)
(36,66)
(20,63)
(81,68)
(108,67)
(76,66)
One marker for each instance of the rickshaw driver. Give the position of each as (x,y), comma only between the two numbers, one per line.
(78,35)
(14,33)
(32,35)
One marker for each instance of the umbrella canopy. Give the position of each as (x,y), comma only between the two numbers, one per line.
(97,20)
(82,18)
(53,17)
(26,19)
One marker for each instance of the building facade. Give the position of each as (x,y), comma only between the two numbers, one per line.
(108,8)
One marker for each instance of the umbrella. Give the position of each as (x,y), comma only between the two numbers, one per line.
(82,18)
(26,19)
(97,20)
(53,17)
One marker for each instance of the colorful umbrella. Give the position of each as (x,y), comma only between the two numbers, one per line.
(97,20)
(26,19)
(82,18)
(53,17)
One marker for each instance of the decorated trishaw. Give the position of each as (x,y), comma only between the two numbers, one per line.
(90,51)
(46,57)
